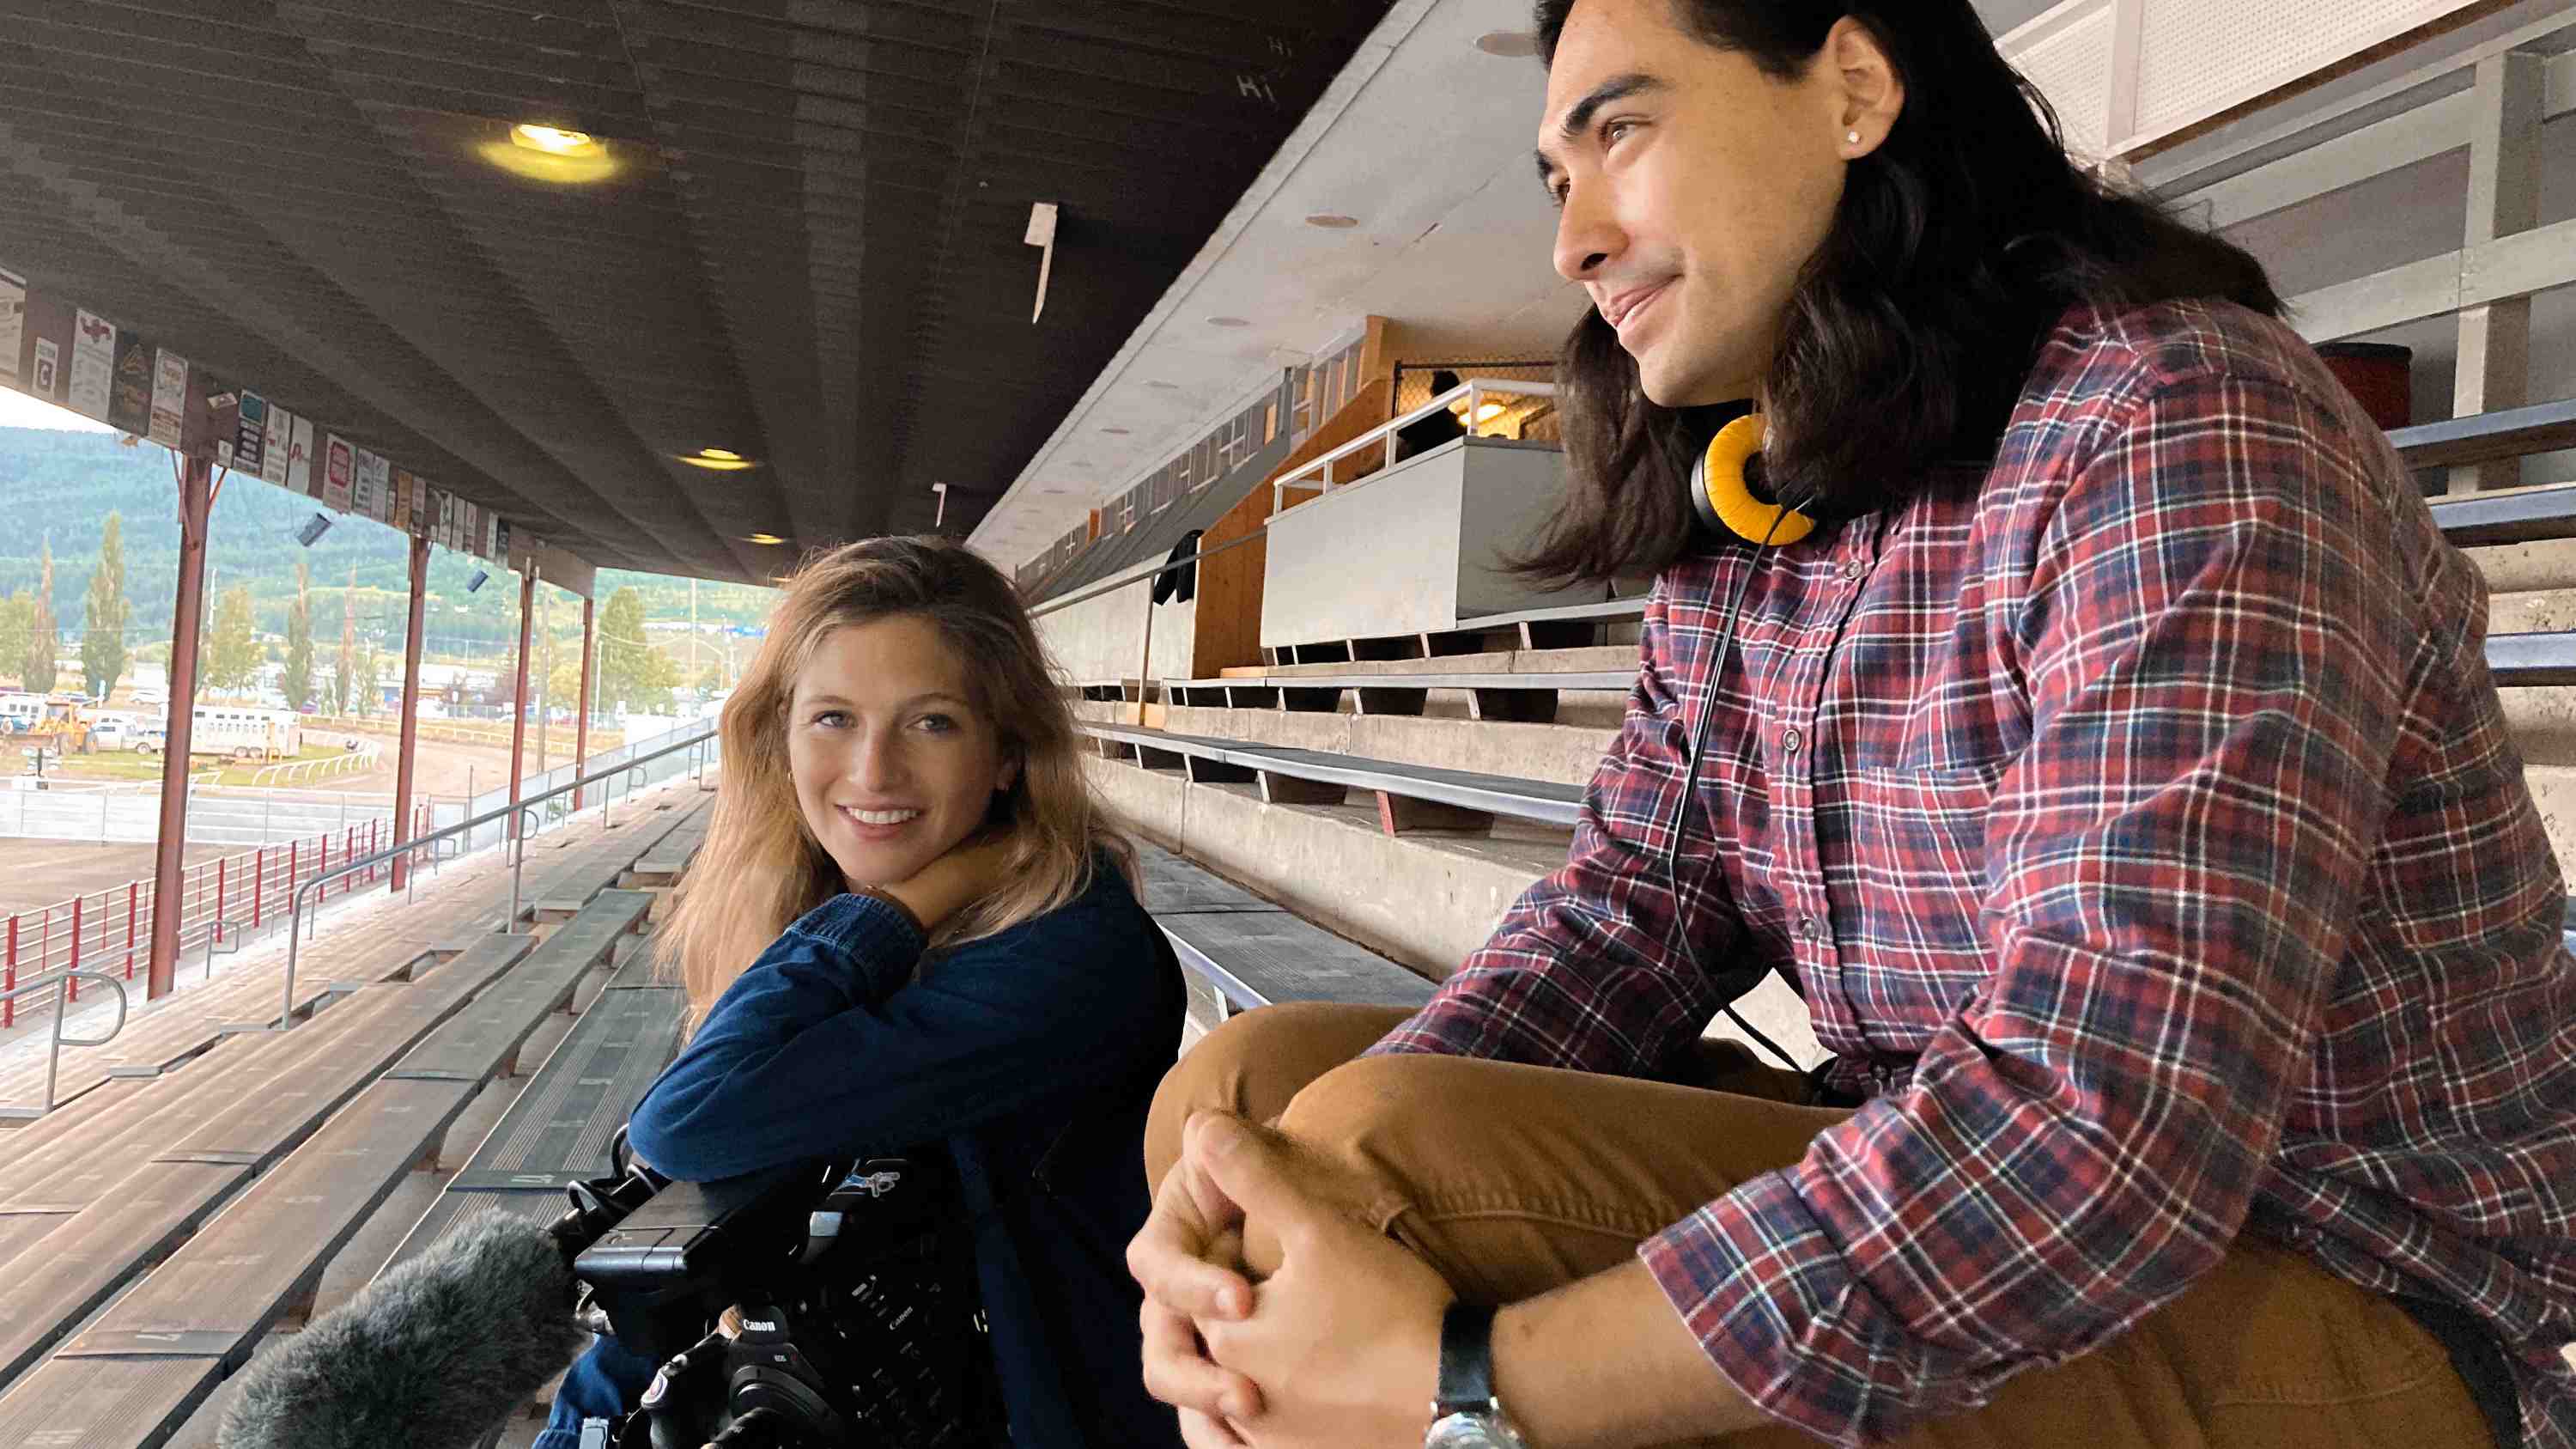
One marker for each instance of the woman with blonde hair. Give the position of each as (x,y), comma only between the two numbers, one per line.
(910,925)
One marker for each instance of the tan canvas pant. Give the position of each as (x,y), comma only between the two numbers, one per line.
(1512,1179)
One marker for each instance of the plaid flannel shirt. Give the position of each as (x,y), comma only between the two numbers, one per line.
(2142,831)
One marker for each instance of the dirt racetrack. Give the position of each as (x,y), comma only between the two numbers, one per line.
(38,873)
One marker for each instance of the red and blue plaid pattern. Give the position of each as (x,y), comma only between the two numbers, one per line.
(2141,828)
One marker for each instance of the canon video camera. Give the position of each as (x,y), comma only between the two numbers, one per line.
(853,1285)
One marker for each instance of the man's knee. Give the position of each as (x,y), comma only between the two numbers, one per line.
(1364,1111)
(1254,1064)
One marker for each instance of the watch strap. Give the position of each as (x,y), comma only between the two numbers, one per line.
(1466,1359)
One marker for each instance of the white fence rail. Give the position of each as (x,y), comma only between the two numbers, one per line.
(290,773)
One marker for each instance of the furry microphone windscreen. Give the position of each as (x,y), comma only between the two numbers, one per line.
(433,1354)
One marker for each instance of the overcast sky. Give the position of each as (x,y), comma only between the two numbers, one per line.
(17,410)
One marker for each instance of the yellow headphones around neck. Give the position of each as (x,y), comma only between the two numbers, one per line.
(1721,489)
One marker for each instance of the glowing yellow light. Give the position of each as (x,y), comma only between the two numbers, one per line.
(722,455)
(762,538)
(552,154)
(717,460)
(1490,411)
(554,140)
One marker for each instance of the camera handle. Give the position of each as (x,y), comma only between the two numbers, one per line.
(674,1407)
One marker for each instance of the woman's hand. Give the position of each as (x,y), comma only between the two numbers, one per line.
(964,874)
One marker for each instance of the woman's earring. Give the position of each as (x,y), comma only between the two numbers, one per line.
(1852,136)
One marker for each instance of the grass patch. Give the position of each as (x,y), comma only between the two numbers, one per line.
(122,765)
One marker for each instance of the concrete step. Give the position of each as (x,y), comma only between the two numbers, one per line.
(1560,753)
(1621,657)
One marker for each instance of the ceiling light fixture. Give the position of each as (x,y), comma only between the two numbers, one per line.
(1332,221)
(554,140)
(1228,322)
(762,538)
(1510,44)
(717,460)
(1165,386)
(1116,432)
(541,151)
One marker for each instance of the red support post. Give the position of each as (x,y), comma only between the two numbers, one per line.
(133,890)
(581,722)
(196,497)
(9,1008)
(217,928)
(45,954)
(519,694)
(76,930)
(258,882)
(407,753)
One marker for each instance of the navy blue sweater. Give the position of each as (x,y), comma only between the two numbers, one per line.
(1032,1054)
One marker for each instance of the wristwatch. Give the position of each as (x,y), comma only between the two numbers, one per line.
(1466,1415)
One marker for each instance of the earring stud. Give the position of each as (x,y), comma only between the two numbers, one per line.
(1852,136)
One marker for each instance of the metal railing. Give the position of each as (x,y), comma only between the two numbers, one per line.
(112,928)
(1477,393)
(518,812)
(1472,393)
(61,984)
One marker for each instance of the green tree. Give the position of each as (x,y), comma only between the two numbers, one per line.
(371,680)
(297,681)
(660,676)
(103,620)
(623,654)
(17,628)
(232,652)
(344,678)
(36,672)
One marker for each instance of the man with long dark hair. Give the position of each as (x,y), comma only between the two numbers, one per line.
(2115,774)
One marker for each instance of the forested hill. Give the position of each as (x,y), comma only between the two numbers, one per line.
(62,486)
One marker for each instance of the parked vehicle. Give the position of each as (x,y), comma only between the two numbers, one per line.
(241,733)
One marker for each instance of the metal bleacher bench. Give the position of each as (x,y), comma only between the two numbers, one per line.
(557,1132)
(607,860)
(108,1200)
(137,1372)
(1409,797)
(1255,953)
(666,861)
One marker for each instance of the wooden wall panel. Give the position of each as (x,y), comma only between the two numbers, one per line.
(1230,585)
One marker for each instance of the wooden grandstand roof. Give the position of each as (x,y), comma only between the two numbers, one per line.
(810,251)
